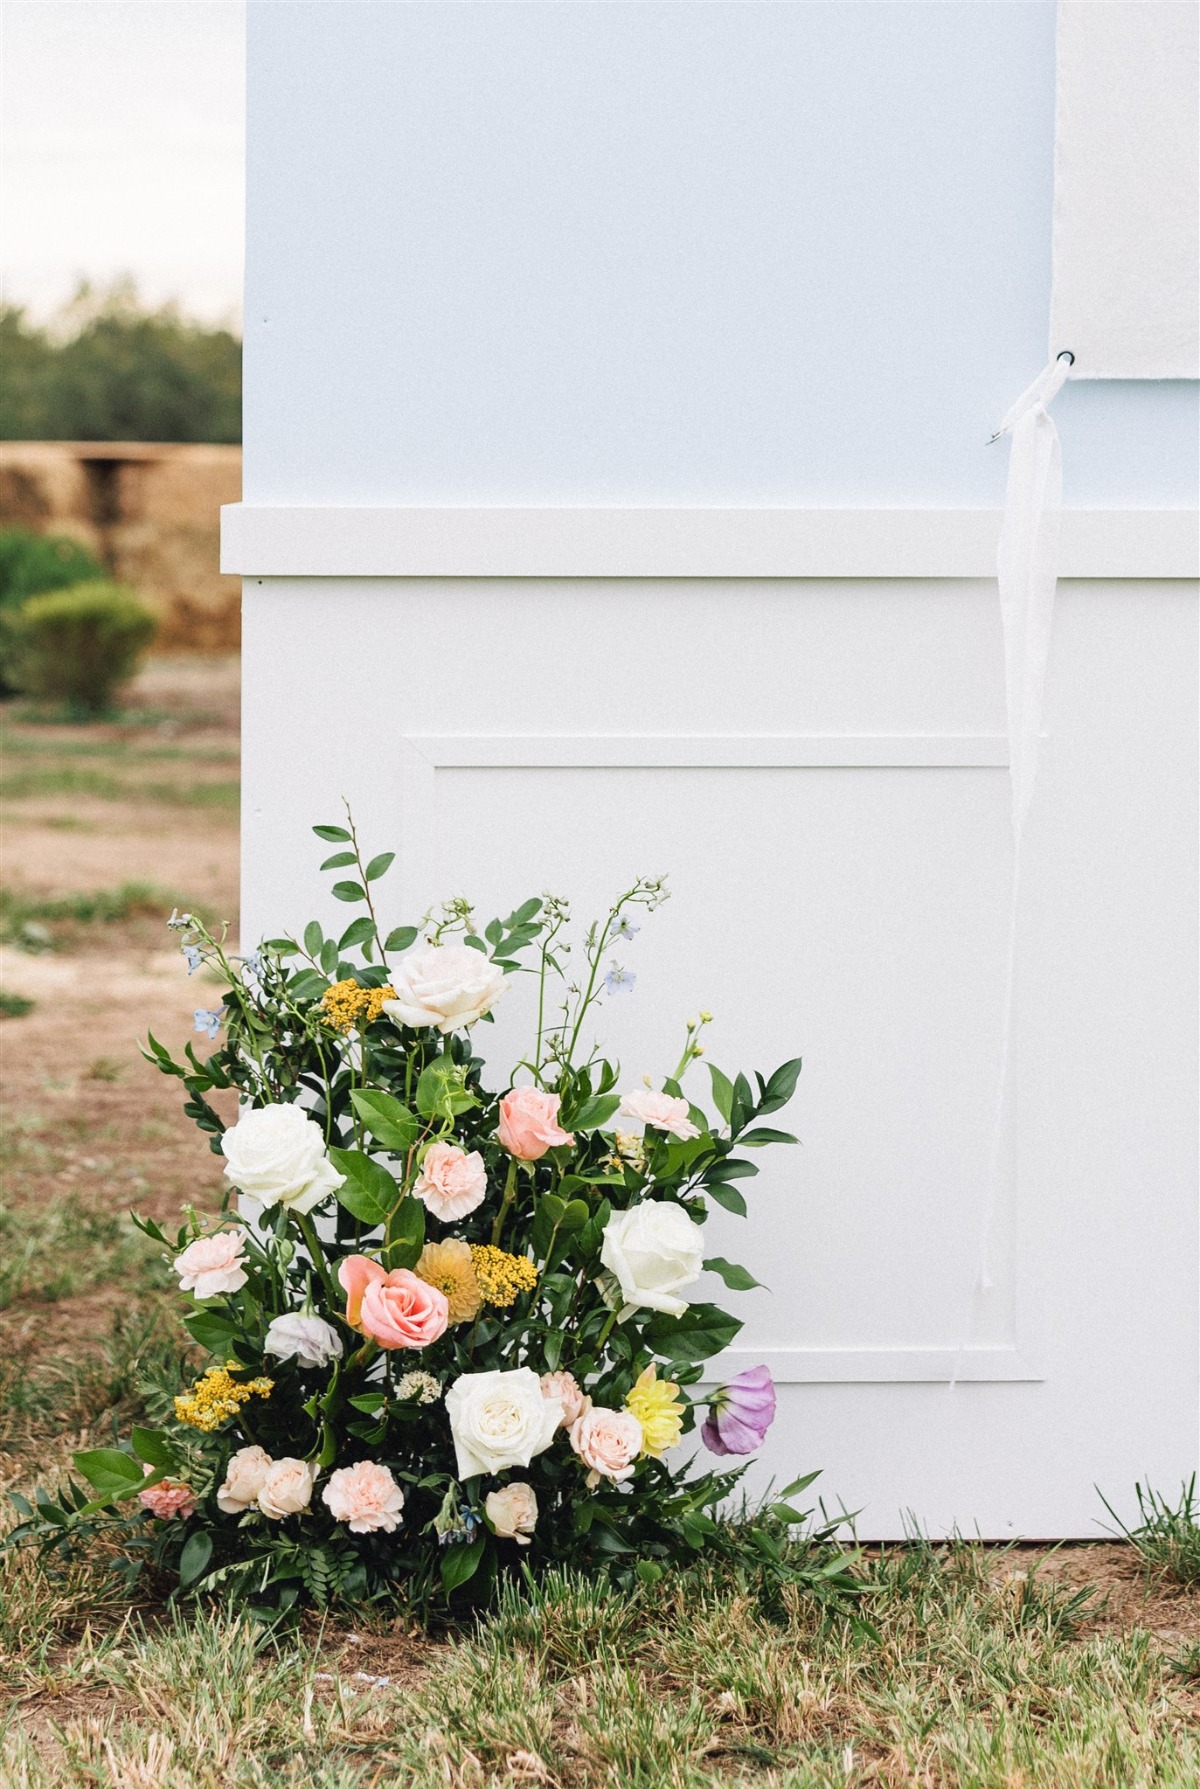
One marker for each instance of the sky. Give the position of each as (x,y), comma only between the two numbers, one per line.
(122,150)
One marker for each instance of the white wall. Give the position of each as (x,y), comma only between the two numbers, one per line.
(791,254)
(583,252)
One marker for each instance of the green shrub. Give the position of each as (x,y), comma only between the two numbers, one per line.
(77,646)
(31,564)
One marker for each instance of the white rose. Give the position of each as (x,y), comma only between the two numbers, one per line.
(276,1154)
(512,1512)
(447,985)
(313,1341)
(655,1251)
(287,1489)
(500,1420)
(244,1477)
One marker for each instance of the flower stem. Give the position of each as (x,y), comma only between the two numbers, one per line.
(510,1193)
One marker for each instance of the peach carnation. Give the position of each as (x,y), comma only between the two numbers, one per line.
(169,1497)
(212,1264)
(364,1496)
(451,1182)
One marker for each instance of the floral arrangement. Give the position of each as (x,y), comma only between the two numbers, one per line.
(448,1332)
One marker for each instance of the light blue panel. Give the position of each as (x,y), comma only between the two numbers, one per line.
(572,252)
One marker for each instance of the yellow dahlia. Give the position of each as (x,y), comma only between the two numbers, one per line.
(653,1402)
(449,1266)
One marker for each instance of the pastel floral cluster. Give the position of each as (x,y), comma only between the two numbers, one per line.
(448,1329)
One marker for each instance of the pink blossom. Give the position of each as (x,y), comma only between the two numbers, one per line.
(661,1111)
(451,1182)
(364,1496)
(169,1497)
(529,1123)
(740,1413)
(213,1264)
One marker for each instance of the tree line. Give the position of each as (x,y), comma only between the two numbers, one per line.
(110,369)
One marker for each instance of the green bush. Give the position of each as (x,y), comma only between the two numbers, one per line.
(31,564)
(77,646)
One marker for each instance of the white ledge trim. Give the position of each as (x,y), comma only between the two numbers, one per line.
(267,542)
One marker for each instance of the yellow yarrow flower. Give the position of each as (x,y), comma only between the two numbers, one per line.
(653,1401)
(217,1396)
(502,1276)
(449,1267)
(347,1006)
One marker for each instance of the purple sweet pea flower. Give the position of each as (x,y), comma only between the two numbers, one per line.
(740,1413)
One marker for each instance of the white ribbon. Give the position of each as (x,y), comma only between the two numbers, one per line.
(1027,574)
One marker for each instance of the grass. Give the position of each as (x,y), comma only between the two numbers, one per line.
(14,1006)
(69,780)
(25,920)
(1167,1539)
(62,1247)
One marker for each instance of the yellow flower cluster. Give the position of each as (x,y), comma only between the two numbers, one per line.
(449,1267)
(501,1276)
(653,1401)
(217,1396)
(346,1005)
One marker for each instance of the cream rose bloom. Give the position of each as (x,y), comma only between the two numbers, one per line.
(656,1252)
(244,1478)
(276,1154)
(313,1341)
(512,1512)
(212,1264)
(500,1420)
(287,1488)
(447,985)
(451,1183)
(609,1442)
(365,1497)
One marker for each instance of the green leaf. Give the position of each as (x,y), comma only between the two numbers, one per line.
(388,1121)
(728,1196)
(401,938)
(334,834)
(729,1168)
(574,1217)
(349,891)
(339,860)
(154,1448)
(357,932)
(524,913)
(369,1402)
(193,1561)
(461,1562)
(369,1192)
(703,1330)
(442,1091)
(759,1138)
(212,1330)
(314,937)
(722,1088)
(379,866)
(781,1086)
(738,1279)
(109,1471)
(595,1111)
(405,1234)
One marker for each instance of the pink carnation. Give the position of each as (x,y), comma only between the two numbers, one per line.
(661,1111)
(365,1496)
(451,1182)
(169,1497)
(212,1264)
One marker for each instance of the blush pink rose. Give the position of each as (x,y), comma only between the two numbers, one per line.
(169,1497)
(565,1387)
(660,1110)
(607,1441)
(365,1496)
(529,1123)
(212,1264)
(451,1182)
(395,1309)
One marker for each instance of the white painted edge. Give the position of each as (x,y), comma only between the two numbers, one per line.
(711,751)
(343,542)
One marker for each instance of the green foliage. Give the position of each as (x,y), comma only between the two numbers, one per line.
(111,370)
(31,564)
(78,646)
(1167,1538)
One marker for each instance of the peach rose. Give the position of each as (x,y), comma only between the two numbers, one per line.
(451,1182)
(212,1264)
(512,1512)
(607,1441)
(287,1488)
(244,1477)
(395,1309)
(660,1110)
(565,1386)
(529,1123)
(169,1497)
(364,1496)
